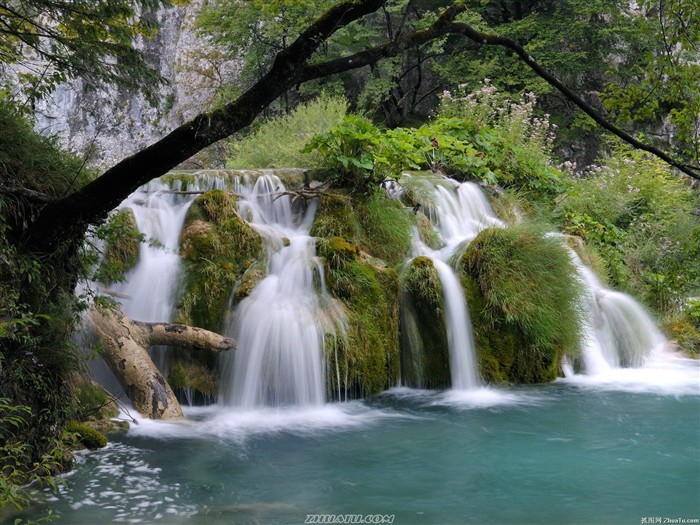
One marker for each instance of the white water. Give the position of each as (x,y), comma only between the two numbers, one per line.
(149,292)
(460,211)
(279,359)
(618,332)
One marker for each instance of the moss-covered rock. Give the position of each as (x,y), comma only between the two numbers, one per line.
(524,300)
(335,217)
(218,248)
(366,356)
(386,227)
(86,435)
(122,245)
(425,361)
(193,372)
(222,255)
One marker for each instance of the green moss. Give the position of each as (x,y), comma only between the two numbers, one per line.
(335,217)
(193,371)
(427,232)
(425,361)
(250,279)
(94,403)
(386,227)
(86,435)
(366,356)
(122,245)
(218,248)
(523,297)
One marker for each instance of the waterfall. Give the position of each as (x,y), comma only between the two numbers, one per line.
(460,211)
(149,292)
(279,360)
(617,331)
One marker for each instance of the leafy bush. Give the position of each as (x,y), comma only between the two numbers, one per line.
(17,470)
(641,218)
(517,143)
(279,143)
(507,145)
(353,150)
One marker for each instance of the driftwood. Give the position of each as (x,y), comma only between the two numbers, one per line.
(125,345)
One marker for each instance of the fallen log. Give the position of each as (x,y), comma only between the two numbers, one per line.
(125,343)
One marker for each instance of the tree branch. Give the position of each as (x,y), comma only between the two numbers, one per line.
(92,203)
(486,39)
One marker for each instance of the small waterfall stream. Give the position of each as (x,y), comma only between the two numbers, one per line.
(279,360)
(460,211)
(618,332)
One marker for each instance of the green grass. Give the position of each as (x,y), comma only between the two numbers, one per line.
(278,143)
(523,284)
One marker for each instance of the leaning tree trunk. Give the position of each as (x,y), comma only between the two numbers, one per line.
(125,345)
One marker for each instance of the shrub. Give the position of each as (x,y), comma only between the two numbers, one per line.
(640,218)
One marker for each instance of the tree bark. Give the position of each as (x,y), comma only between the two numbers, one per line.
(125,345)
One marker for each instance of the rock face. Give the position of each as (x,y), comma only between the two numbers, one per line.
(114,123)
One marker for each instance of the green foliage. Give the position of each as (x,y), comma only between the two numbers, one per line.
(17,467)
(87,436)
(515,142)
(352,149)
(656,82)
(46,42)
(477,136)
(279,142)
(640,218)
(122,245)
(396,88)
(94,403)
(38,308)
(529,286)
(30,161)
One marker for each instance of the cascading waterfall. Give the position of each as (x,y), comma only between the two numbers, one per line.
(279,360)
(460,211)
(617,330)
(149,292)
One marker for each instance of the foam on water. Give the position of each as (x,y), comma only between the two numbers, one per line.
(238,426)
(125,485)
(467,399)
(664,372)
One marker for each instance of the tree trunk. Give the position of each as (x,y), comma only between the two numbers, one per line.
(125,345)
